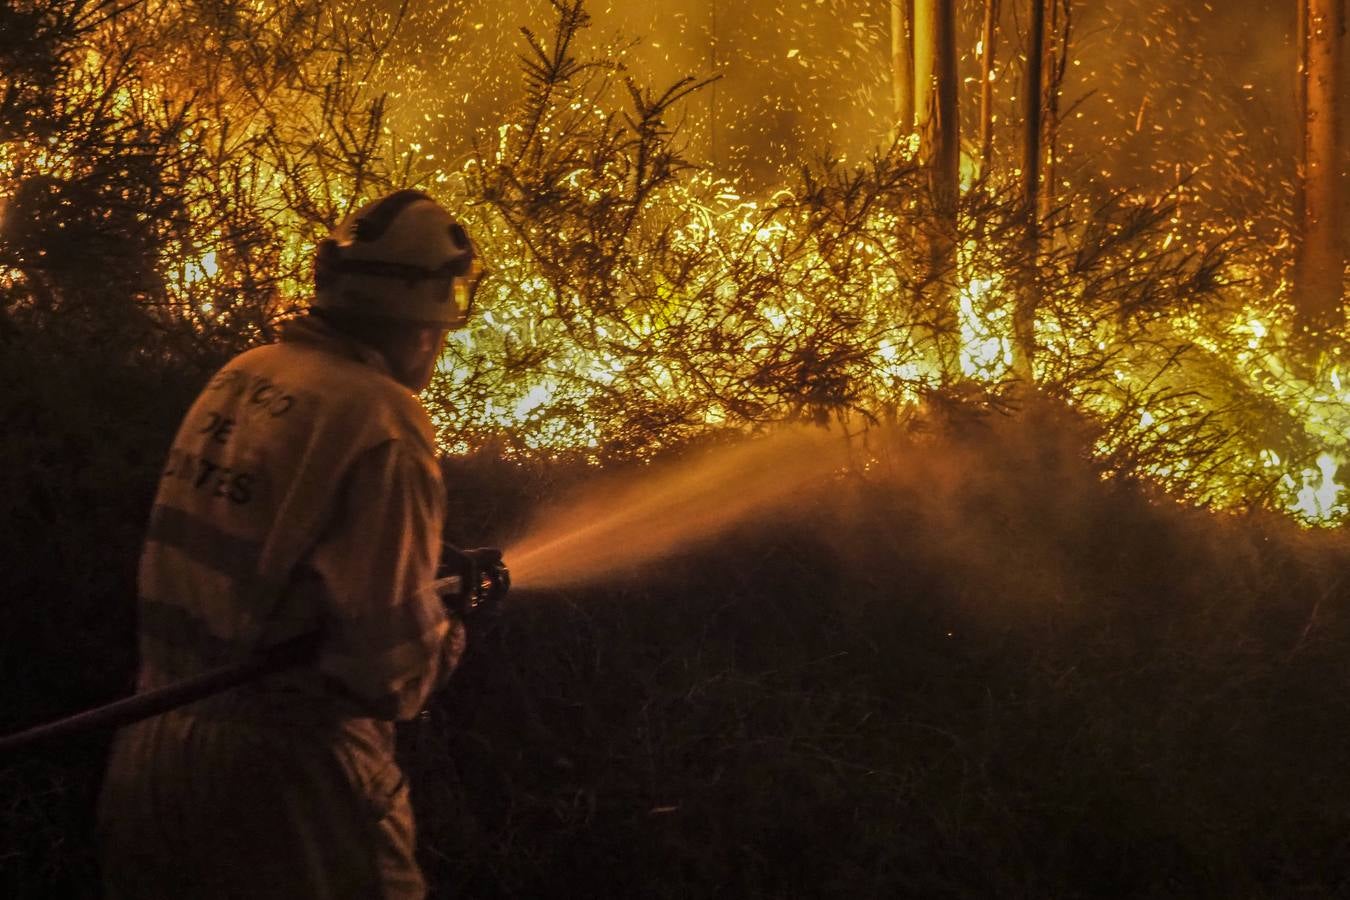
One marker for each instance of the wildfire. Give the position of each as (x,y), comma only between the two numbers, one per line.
(720,304)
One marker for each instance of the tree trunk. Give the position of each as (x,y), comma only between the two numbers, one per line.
(1320,266)
(902,65)
(925,55)
(1301,109)
(988,37)
(1028,297)
(1060,27)
(946,166)
(935,96)
(713,63)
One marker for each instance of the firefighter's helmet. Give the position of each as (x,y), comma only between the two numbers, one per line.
(400,257)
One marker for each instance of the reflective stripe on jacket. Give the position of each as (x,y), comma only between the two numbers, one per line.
(301,492)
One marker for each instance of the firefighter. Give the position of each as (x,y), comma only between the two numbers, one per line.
(301,493)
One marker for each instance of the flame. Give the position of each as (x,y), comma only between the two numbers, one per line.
(986,338)
(1319,496)
(1320,409)
(901,366)
(200,269)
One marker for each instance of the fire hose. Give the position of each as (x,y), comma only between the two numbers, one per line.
(471,583)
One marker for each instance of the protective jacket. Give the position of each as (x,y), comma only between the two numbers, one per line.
(301,493)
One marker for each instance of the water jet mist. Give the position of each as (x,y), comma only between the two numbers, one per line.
(622,523)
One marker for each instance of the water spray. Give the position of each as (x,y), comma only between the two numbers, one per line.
(623,523)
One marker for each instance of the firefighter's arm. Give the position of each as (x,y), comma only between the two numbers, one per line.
(388,642)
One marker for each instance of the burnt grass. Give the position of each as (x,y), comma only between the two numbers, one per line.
(1016,679)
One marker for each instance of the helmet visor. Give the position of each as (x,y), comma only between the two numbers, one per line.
(466,287)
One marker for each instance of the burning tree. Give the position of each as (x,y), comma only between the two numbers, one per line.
(147,193)
(902,65)
(1320,271)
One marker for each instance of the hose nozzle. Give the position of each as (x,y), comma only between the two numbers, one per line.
(472,582)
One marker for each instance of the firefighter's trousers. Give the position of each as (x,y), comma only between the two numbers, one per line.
(203,807)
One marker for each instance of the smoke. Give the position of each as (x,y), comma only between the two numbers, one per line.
(626,522)
(796,78)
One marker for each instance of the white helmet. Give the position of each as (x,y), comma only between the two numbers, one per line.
(400,257)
